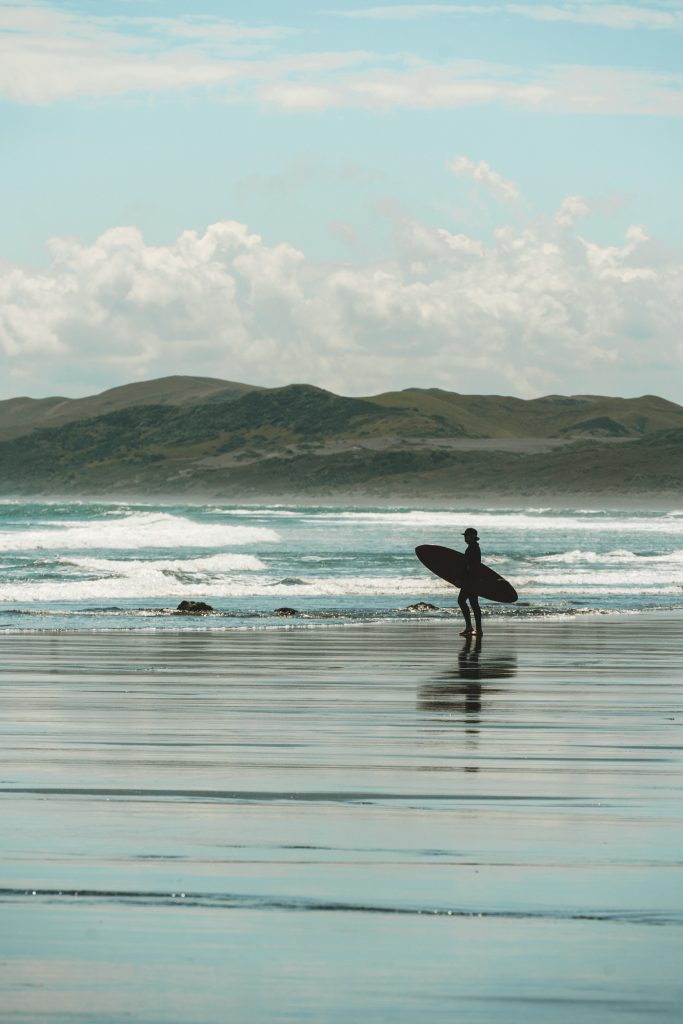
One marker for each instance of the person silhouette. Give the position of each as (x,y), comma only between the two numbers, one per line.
(469,590)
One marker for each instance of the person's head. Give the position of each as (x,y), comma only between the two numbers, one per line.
(470,535)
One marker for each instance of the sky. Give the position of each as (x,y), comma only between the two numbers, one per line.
(478,196)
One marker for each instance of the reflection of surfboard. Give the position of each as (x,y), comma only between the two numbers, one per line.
(450,566)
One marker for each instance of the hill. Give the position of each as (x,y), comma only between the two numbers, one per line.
(552,416)
(202,437)
(22,415)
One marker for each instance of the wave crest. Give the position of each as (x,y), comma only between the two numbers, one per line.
(134,531)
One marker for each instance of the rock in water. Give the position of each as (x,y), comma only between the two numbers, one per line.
(422,606)
(285,613)
(194,607)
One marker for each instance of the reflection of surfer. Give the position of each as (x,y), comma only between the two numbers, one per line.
(470,584)
(468,659)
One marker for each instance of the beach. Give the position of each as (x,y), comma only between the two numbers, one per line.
(339,823)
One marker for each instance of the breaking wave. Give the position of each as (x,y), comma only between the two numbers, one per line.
(621,556)
(528,521)
(83,559)
(138,580)
(134,530)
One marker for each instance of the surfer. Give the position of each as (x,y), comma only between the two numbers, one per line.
(470,589)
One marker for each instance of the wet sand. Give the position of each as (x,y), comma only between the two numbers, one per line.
(372,823)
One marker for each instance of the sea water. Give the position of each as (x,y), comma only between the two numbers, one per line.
(93,566)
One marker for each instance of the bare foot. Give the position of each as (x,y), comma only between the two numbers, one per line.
(467,632)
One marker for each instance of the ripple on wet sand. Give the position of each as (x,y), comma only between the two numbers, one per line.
(364,823)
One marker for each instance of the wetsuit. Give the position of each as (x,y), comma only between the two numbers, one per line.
(469,591)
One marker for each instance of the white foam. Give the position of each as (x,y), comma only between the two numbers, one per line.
(257,511)
(209,565)
(138,580)
(607,581)
(344,539)
(528,521)
(134,531)
(234,577)
(588,590)
(620,556)
(363,586)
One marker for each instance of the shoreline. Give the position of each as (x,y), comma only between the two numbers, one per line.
(453,622)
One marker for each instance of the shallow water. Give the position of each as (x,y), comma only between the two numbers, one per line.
(91,566)
(373,822)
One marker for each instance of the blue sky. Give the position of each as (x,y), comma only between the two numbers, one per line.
(477,196)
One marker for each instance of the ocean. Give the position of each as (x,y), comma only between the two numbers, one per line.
(351,814)
(70,566)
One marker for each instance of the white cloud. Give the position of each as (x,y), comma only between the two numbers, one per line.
(50,54)
(411,12)
(537,309)
(421,85)
(666,16)
(298,96)
(601,90)
(572,208)
(502,189)
(651,15)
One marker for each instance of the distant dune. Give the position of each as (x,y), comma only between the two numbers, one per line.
(201,437)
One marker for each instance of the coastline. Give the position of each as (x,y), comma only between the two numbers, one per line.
(450,619)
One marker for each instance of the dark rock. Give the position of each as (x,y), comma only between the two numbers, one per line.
(285,613)
(194,607)
(422,606)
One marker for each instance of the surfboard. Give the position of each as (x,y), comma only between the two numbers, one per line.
(450,566)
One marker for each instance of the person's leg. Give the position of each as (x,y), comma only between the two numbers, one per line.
(462,602)
(474,601)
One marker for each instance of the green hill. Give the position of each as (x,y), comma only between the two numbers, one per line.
(21,415)
(205,437)
(422,412)
(552,416)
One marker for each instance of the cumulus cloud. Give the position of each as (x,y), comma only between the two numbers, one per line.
(572,209)
(537,309)
(502,189)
